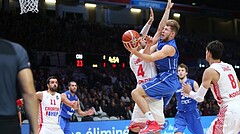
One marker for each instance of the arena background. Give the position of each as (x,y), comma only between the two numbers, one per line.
(73,41)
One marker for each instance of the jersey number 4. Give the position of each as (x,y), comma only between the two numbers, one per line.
(232,80)
(140,71)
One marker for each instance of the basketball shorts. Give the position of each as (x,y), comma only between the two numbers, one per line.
(189,119)
(65,125)
(159,87)
(227,120)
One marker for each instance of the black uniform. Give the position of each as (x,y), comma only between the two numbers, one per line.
(13,58)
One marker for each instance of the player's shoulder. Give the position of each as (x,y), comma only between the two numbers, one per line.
(210,71)
(11,44)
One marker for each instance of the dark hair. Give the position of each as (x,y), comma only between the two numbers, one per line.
(69,83)
(51,77)
(216,49)
(174,25)
(183,66)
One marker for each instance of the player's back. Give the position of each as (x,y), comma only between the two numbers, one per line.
(142,70)
(226,88)
(13,58)
(49,109)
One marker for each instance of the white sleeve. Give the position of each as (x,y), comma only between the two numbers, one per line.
(199,95)
(145,30)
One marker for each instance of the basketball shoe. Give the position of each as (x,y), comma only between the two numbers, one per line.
(151,127)
(139,125)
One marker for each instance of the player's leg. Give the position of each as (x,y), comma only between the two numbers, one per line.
(151,88)
(156,107)
(166,100)
(67,129)
(62,123)
(194,122)
(179,123)
(138,120)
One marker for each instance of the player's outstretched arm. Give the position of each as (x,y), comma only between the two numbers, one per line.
(208,76)
(147,26)
(163,21)
(84,113)
(72,104)
(25,79)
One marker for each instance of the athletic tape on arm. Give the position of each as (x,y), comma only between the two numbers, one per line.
(145,30)
(199,95)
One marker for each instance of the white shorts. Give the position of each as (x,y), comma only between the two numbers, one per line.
(156,107)
(227,121)
(50,129)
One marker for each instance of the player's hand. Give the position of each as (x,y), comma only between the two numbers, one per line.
(151,17)
(149,41)
(169,4)
(130,48)
(75,105)
(90,112)
(186,88)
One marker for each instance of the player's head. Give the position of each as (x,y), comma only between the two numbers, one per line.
(170,30)
(72,86)
(52,83)
(142,41)
(182,71)
(214,50)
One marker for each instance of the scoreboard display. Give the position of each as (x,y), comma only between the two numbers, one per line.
(97,60)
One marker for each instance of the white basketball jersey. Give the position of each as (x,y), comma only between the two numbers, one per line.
(143,70)
(49,109)
(226,88)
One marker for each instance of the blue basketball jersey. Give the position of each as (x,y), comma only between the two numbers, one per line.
(186,103)
(167,64)
(66,111)
(166,82)
(188,116)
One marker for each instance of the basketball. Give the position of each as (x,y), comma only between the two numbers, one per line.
(131,36)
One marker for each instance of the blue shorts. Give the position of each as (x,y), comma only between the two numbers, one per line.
(190,119)
(65,125)
(162,86)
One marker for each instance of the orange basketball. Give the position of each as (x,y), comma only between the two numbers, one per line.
(131,36)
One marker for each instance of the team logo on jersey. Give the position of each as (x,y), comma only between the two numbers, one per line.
(226,68)
(57,97)
(68,95)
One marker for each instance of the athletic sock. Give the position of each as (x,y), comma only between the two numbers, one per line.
(149,116)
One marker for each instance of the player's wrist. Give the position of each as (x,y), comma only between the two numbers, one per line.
(192,93)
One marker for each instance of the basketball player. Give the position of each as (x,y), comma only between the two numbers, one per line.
(15,70)
(144,71)
(67,112)
(188,113)
(221,78)
(165,55)
(49,109)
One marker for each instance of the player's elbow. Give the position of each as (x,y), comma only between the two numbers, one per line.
(199,99)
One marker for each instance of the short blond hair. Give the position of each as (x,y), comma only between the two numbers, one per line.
(174,25)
